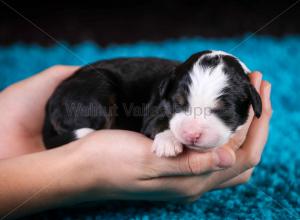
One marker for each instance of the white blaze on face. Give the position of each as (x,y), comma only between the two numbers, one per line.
(198,127)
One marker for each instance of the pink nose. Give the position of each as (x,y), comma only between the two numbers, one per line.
(192,136)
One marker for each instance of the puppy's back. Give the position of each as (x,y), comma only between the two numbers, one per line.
(99,85)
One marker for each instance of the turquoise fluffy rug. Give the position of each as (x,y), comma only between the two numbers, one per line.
(274,190)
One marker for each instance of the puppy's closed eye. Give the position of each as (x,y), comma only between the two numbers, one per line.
(180,100)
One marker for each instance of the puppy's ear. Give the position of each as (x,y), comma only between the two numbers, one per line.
(255,101)
(165,85)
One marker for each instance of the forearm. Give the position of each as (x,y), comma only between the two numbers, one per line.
(40,181)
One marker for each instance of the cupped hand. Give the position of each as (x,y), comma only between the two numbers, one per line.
(124,167)
(119,164)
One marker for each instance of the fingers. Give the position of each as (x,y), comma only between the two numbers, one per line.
(249,154)
(60,69)
(255,79)
(44,82)
(40,86)
(240,179)
(50,77)
(258,132)
(32,94)
(194,163)
(58,72)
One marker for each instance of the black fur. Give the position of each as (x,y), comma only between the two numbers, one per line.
(238,96)
(139,94)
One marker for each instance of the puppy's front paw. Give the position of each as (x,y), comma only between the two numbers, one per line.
(166,145)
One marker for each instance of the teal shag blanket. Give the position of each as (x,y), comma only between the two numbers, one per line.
(274,190)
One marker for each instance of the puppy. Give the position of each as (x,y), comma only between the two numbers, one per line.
(199,103)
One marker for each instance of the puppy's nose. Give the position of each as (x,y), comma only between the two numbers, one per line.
(192,136)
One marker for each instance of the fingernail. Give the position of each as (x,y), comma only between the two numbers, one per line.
(267,95)
(225,158)
(268,90)
(258,81)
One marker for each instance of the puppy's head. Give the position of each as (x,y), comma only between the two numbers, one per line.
(208,98)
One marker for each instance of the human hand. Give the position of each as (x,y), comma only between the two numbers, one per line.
(107,164)
(22,107)
(120,165)
(24,103)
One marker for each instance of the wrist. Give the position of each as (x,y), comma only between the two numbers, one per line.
(78,178)
(89,175)
(52,179)
(69,184)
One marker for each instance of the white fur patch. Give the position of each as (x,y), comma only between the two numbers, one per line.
(207,84)
(82,132)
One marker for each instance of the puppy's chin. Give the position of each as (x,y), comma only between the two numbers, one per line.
(201,149)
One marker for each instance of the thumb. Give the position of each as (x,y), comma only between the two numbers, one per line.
(196,163)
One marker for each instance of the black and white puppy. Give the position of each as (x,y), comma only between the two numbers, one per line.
(199,103)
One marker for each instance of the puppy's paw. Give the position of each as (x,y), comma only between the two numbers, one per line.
(166,145)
